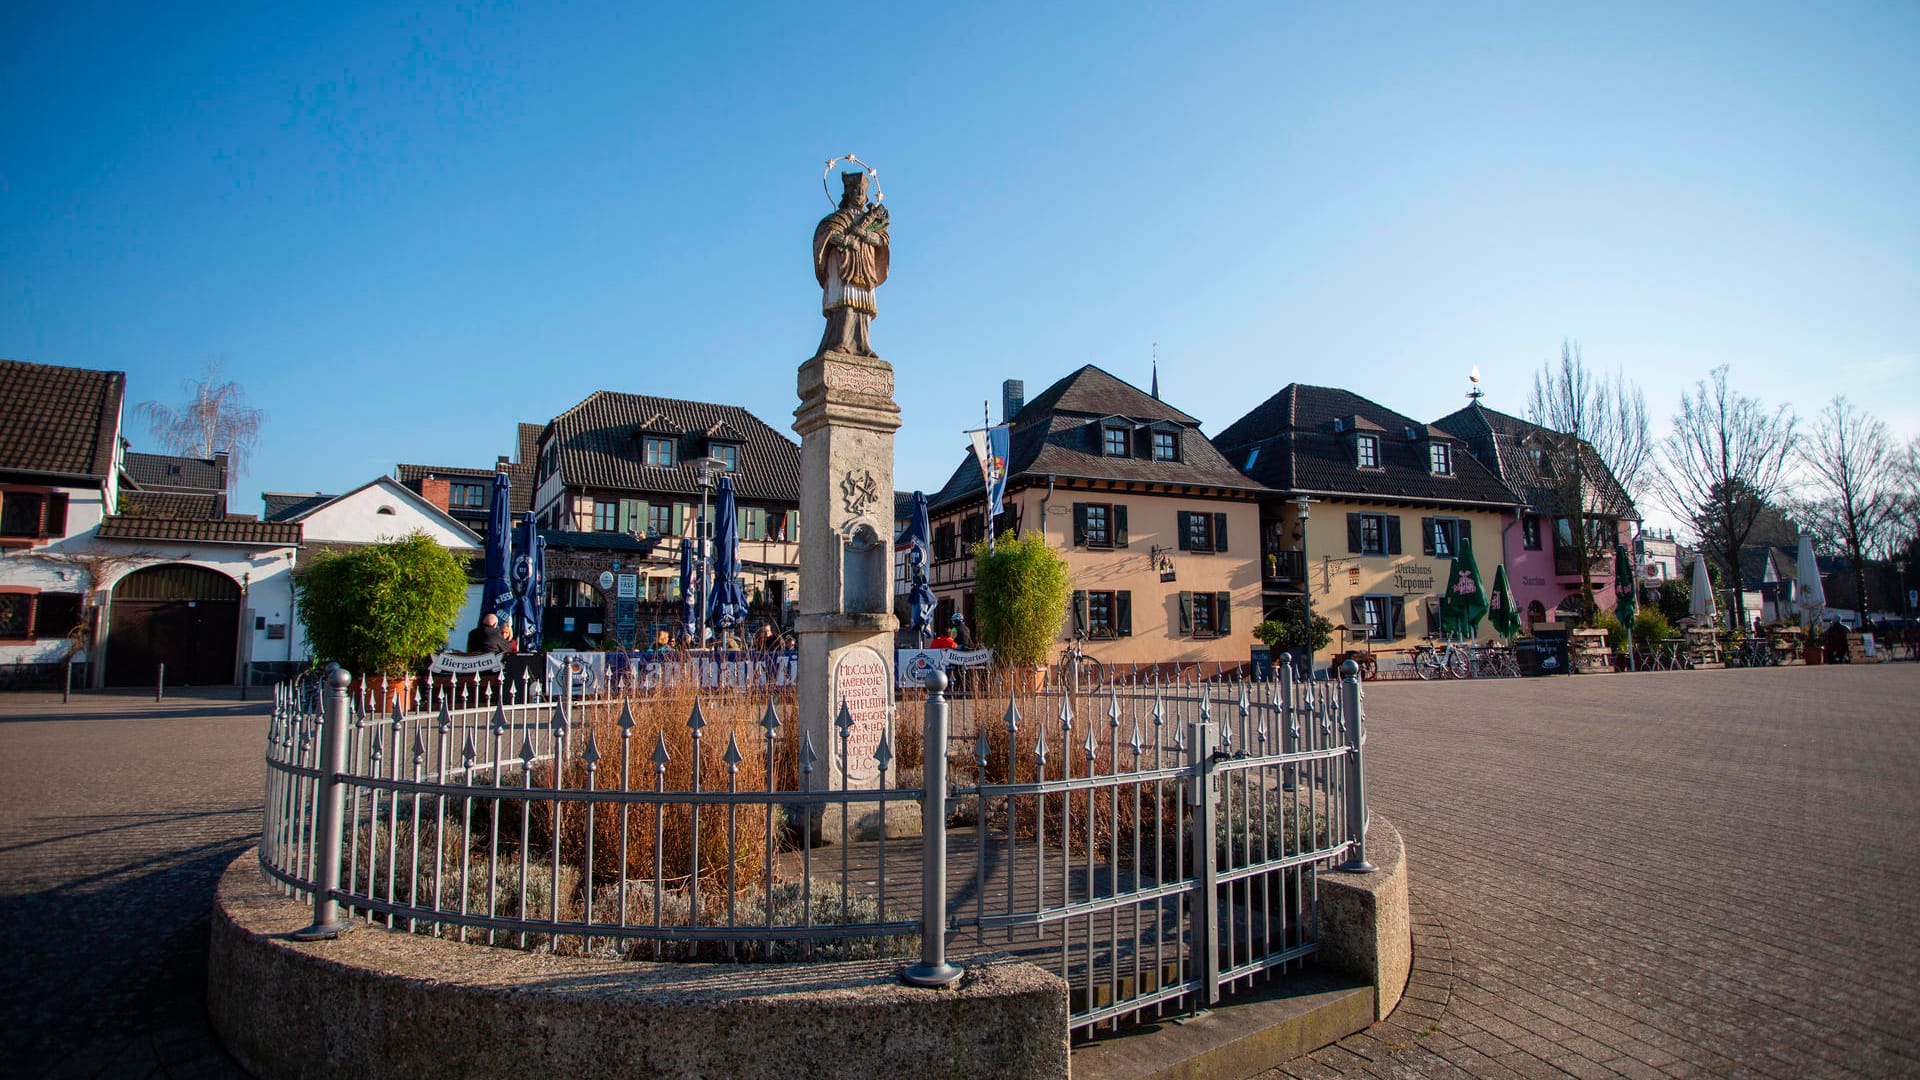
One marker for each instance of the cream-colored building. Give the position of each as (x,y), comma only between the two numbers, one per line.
(1388,501)
(1159,532)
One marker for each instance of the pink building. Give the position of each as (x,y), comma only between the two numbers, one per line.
(1543,565)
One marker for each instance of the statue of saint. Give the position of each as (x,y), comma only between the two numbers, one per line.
(850,261)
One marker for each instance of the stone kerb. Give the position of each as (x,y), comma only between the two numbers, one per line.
(387,1003)
(1364,928)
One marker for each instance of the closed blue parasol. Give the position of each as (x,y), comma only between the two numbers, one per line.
(689,590)
(919,545)
(497,594)
(727,606)
(529,584)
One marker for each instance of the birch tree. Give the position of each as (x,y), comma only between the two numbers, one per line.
(214,417)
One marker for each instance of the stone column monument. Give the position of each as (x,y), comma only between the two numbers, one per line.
(846,422)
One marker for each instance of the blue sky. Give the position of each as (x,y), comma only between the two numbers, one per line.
(404,230)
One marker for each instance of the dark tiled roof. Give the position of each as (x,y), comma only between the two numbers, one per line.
(172,504)
(599,447)
(168,472)
(1299,450)
(285,506)
(1059,433)
(1501,442)
(520,483)
(411,475)
(229,530)
(596,541)
(1753,565)
(526,449)
(59,419)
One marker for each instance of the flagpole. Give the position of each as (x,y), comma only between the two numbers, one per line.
(986,421)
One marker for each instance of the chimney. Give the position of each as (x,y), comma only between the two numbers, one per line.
(1013,395)
(220,469)
(436,491)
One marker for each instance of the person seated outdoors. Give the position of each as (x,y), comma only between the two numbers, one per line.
(488,637)
(958,632)
(944,641)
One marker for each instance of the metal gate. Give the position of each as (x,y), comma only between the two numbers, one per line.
(1157,845)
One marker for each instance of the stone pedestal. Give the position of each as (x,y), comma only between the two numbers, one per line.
(845,623)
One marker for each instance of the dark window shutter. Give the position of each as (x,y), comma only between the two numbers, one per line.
(1079,526)
(1426,536)
(1393,534)
(1399,605)
(1186,614)
(1353,533)
(1466,530)
(1119,525)
(1219,532)
(1181,521)
(1079,613)
(1357,611)
(57,517)
(1223,612)
(56,614)
(1123,613)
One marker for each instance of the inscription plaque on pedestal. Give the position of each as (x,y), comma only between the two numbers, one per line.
(860,681)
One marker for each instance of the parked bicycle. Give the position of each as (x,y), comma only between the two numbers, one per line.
(1076,670)
(1440,659)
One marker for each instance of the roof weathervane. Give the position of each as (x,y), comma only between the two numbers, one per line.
(1474,378)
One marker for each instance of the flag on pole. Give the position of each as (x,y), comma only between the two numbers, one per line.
(990,449)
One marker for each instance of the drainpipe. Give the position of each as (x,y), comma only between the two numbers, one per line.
(1044,499)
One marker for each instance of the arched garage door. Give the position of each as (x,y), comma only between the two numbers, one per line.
(186,617)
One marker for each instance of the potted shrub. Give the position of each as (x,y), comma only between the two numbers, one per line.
(1021,594)
(1290,633)
(381,610)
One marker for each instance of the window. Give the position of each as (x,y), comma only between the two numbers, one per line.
(1206,614)
(1202,532)
(1600,539)
(1099,525)
(660,519)
(1530,532)
(633,516)
(466,495)
(1440,459)
(1253,455)
(28,615)
(783,525)
(659,451)
(1373,534)
(1367,451)
(1103,615)
(1166,447)
(1115,442)
(1441,536)
(728,455)
(944,545)
(32,515)
(1384,616)
(605,516)
(752,523)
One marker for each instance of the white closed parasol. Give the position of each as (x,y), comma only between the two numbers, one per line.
(1701,606)
(1809,596)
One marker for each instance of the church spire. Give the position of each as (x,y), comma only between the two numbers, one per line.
(1156,371)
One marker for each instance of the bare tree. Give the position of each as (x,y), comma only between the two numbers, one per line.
(1858,493)
(1599,444)
(1724,461)
(214,417)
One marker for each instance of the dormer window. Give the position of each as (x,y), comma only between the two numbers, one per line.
(658,451)
(1166,446)
(1116,441)
(1439,459)
(1367,451)
(729,455)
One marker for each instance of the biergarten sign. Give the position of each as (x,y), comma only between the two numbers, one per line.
(452,663)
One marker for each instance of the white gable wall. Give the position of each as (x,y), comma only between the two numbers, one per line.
(356,518)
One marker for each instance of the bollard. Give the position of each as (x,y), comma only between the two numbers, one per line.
(327,922)
(160,686)
(1350,698)
(933,969)
(66,692)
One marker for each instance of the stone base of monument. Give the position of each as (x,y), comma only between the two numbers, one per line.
(901,817)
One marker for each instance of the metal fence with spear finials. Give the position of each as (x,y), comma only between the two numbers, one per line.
(1154,843)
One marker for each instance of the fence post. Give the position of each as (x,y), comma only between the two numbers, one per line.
(1289,724)
(327,922)
(1355,717)
(1206,864)
(160,685)
(933,969)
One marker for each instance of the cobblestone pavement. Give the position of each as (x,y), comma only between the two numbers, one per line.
(116,818)
(1679,874)
(1690,873)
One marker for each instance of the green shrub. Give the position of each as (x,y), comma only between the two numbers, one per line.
(1651,625)
(384,608)
(1021,593)
(1676,599)
(1616,630)
(1290,631)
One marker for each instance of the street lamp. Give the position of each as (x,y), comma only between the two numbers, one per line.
(1301,502)
(706,473)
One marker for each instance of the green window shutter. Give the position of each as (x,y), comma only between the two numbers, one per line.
(1079,613)
(1079,525)
(1426,536)
(1223,612)
(1219,532)
(1466,530)
(793,525)
(1393,534)
(1186,614)
(1180,520)
(1353,534)
(1123,613)
(1119,525)
(1399,605)
(680,519)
